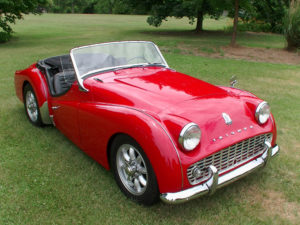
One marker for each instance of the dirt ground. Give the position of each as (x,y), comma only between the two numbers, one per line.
(280,56)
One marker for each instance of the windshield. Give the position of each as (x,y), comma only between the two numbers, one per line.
(95,58)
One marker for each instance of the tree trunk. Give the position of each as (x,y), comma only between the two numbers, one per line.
(235,23)
(199,26)
(111,6)
(292,3)
(72,6)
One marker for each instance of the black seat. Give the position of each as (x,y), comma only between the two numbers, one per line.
(63,81)
(59,72)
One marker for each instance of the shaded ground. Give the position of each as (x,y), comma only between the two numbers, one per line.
(245,53)
(255,47)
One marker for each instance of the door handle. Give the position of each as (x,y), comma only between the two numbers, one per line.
(55,107)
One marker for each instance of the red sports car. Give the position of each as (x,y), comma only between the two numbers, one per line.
(163,133)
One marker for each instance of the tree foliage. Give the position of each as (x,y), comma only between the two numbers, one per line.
(193,9)
(71,6)
(12,10)
(271,12)
(96,6)
(113,7)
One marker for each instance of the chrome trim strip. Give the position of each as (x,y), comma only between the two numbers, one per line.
(216,182)
(80,81)
(45,113)
(52,120)
(167,66)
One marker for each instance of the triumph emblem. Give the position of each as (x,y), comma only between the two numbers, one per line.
(227,118)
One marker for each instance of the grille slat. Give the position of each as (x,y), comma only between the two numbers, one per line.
(229,157)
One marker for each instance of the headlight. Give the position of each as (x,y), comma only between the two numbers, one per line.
(190,136)
(262,112)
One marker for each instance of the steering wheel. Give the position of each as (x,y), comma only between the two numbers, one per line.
(138,57)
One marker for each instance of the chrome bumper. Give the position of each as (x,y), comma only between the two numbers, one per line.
(215,181)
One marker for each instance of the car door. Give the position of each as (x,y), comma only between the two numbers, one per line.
(65,112)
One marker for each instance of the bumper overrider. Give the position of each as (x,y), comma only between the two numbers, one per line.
(215,181)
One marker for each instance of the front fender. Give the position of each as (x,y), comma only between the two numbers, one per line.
(107,120)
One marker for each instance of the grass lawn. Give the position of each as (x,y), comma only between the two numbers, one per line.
(45,179)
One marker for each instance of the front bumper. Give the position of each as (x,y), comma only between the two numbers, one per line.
(215,181)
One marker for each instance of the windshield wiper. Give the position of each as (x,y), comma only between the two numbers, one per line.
(156,64)
(121,67)
(92,72)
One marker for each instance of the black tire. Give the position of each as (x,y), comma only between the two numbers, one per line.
(149,194)
(31,106)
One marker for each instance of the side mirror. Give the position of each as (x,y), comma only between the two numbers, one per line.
(233,81)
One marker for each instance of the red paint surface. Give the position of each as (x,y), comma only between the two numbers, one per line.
(152,105)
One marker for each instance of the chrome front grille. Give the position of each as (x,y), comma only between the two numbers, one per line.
(229,157)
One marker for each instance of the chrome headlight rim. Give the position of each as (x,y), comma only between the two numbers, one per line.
(183,133)
(258,112)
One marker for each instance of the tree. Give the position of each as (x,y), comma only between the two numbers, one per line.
(105,6)
(236,8)
(270,12)
(12,10)
(193,9)
(73,6)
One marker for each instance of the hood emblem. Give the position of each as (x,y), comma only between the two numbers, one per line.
(227,118)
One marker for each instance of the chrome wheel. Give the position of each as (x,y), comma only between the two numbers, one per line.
(132,169)
(31,106)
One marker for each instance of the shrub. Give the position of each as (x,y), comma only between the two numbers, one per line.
(250,26)
(4,37)
(292,27)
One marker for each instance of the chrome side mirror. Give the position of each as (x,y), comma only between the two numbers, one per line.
(233,81)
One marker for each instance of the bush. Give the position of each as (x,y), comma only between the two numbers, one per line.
(255,27)
(269,12)
(250,26)
(4,37)
(292,27)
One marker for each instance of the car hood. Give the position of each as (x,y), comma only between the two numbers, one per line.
(166,93)
(150,89)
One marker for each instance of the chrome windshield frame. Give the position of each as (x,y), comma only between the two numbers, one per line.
(80,79)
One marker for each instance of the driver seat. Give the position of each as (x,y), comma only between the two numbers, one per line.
(63,81)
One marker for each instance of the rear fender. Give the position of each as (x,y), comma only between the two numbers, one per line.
(35,78)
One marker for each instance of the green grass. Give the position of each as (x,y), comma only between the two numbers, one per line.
(45,179)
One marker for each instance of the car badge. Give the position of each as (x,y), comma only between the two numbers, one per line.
(227,118)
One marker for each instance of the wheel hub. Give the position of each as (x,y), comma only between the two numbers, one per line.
(131,169)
